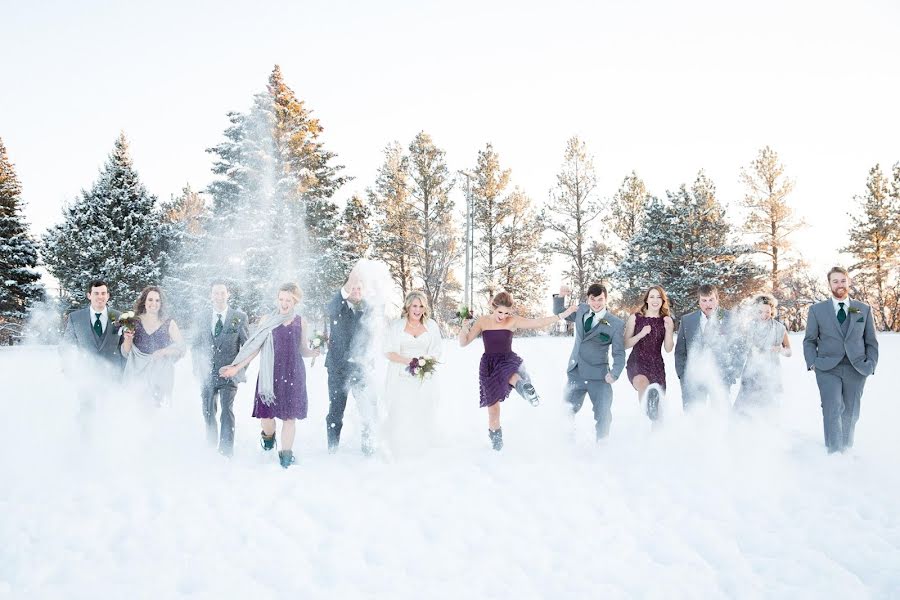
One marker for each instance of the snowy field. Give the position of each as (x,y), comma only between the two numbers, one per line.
(709,506)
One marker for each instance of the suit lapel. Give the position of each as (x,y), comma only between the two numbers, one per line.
(853,316)
(826,313)
(225,316)
(595,329)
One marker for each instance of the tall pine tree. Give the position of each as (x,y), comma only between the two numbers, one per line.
(187,218)
(355,233)
(18,255)
(875,244)
(114,231)
(393,240)
(491,209)
(521,269)
(273,216)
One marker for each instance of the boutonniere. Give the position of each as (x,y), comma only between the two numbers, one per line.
(603,322)
(853,310)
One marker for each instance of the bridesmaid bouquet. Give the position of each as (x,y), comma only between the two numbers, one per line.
(127,321)
(319,341)
(422,367)
(463,313)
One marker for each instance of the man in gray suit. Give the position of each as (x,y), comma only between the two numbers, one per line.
(840,346)
(596,331)
(90,347)
(704,358)
(218,335)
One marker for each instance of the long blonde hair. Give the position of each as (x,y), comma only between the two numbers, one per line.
(407,302)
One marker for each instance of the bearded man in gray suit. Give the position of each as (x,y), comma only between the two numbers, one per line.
(90,347)
(840,346)
(218,336)
(704,358)
(589,372)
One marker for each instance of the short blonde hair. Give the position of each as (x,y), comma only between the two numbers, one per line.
(768,300)
(293,289)
(416,295)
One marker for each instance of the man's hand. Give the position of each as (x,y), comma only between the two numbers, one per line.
(609,378)
(564,290)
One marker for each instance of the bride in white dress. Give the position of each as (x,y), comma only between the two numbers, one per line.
(410,402)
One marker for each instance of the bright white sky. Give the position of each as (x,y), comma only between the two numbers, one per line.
(665,88)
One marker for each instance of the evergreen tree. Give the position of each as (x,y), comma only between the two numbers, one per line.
(18,254)
(393,241)
(432,227)
(798,288)
(274,219)
(519,262)
(490,210)
(875,244)
(114,231)
(770,219)
(627,207)
(187,218)
(685,242)
(570,212)
(355,231)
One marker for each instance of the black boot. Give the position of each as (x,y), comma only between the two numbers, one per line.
(653,403)
(286,458)
(527,391)
(267,442)
(496,438)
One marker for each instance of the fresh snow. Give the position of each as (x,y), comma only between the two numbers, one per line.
(708,506)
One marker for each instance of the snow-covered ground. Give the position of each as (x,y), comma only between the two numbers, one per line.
(708,506)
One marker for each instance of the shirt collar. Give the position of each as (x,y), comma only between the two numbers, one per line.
(103,313)
(836,303)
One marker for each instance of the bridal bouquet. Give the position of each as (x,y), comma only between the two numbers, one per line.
(463,313)
(127,321)
(319,341)
(422,367)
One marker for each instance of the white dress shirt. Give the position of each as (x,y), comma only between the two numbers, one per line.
(215,317)
(835,302)
(597,316)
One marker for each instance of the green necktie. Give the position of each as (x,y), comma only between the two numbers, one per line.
(589,322)
(842,314)
(218,328)
(98,326)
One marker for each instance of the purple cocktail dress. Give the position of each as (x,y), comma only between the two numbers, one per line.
(498,364)
(289,377)
(646,356)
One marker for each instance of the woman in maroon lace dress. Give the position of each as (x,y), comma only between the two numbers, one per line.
(152,348)
(647,331)
(500,370)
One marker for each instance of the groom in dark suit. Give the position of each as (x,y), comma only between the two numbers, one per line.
(840,346)
(589,372)
(218,336)
(90,346)
(347,362)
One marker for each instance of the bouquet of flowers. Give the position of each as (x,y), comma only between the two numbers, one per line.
(422,367)
(463,313)
(319,341)
(127,321)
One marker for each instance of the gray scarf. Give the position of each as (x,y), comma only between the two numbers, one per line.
(261,340)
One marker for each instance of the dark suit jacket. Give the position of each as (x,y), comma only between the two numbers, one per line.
(346,336)
(210,352)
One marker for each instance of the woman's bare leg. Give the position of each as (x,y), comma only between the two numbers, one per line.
(494,417)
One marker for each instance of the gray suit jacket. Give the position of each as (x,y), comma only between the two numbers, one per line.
(825,345)
(591,350)
(722,346)
(210,353)
(79,335)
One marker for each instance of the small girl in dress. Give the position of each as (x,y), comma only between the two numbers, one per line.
(279,339)
(500,370)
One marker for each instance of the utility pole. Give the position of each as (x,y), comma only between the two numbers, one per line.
(469,241)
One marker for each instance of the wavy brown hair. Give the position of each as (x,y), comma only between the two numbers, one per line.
(140,307)
(664,309)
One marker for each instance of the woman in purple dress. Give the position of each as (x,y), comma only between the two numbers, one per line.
(500,370)
(647,331)
(279,339)
(152,347)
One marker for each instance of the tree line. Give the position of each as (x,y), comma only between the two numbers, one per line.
(271,214)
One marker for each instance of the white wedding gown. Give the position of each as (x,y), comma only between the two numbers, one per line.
(410,403)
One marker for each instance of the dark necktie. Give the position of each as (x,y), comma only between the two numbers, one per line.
(98,326)
(219,326)
(589,322)
(842,314)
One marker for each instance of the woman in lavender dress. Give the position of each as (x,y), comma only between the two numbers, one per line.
(280,340)
(500,370)
(152,347)
(647,332)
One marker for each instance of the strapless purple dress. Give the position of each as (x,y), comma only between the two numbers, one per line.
(646,356)
(498,363)
(290,377)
